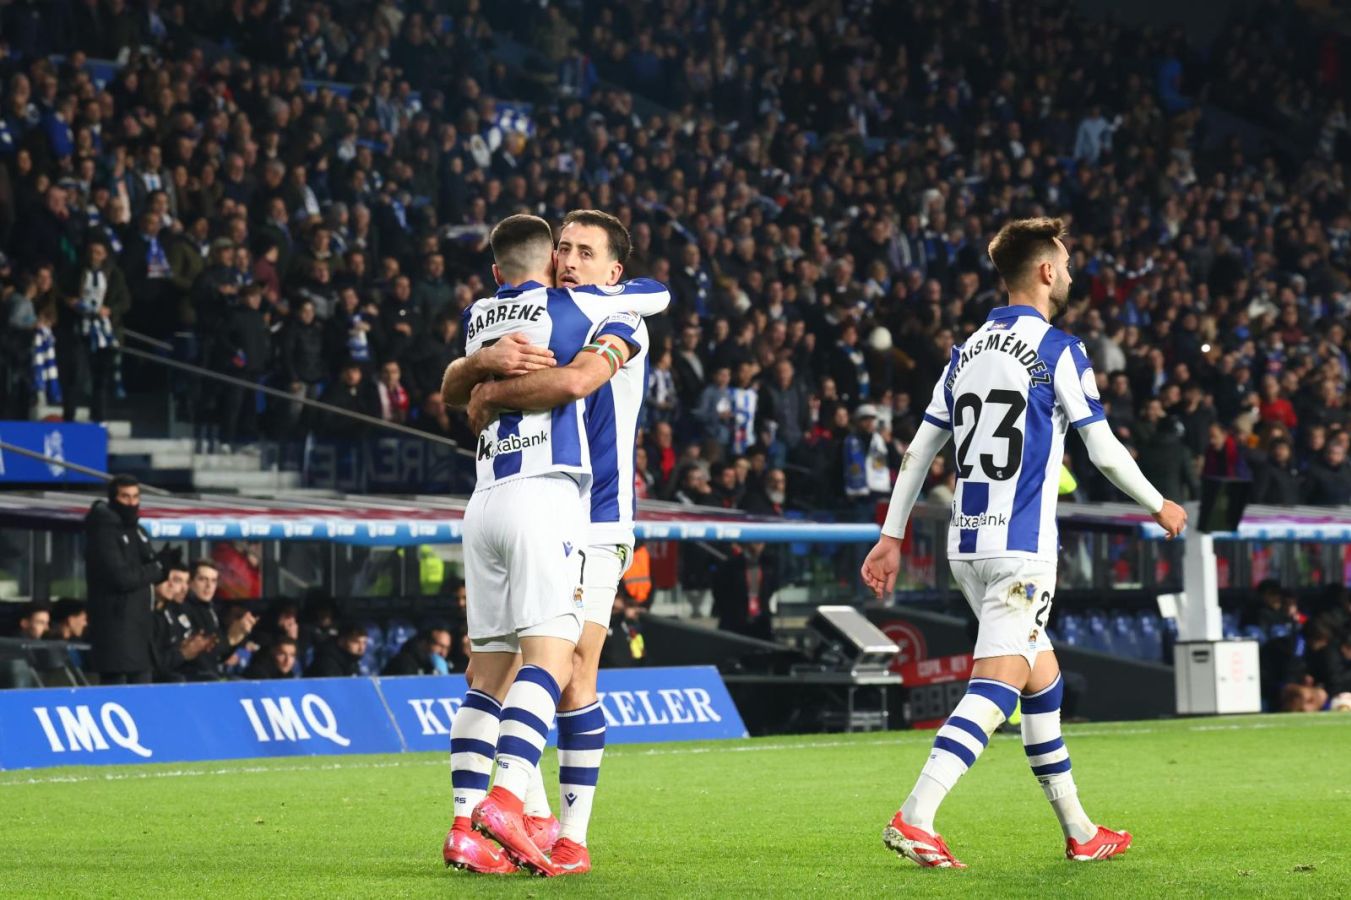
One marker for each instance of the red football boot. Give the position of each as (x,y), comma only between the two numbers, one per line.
(543,831)
(466,849)
(1103,845)
(570,858)
(500,816)
(920,847)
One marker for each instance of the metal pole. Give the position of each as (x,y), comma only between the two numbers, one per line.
(292,398)
(75,467)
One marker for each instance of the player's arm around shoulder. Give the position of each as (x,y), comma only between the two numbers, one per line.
(642,296)
(508,357)
(545,389)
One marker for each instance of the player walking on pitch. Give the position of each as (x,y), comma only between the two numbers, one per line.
(1008,396)
(526,528)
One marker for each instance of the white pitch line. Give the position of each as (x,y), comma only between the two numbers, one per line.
(897,739)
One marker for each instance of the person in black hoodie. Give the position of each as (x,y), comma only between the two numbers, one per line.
(340,657)
(354,394)
(301,360)
(246,352)
(1164,457)
(1279,481)
(120,567)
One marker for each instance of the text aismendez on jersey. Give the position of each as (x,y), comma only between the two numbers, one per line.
(1005,342)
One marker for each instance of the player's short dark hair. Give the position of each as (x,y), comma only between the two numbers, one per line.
(117,482)
(521,244)
(1022,243)
(616,235)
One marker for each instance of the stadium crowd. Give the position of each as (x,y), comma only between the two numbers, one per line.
(818,189)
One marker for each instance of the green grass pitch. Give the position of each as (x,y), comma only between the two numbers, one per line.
(1253,806)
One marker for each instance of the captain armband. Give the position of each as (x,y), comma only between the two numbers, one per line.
(606,352)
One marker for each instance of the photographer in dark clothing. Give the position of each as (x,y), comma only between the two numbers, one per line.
(120,567)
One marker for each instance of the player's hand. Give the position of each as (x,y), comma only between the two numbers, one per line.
(480,409)
(881,567)
(1172,519)
(515,355)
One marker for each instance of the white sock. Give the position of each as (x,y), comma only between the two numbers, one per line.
(473,741)
(581,743)
(527,716)
(536,797)
(1050,760)
(956,747)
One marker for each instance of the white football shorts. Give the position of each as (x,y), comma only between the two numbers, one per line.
(1011,599)
(523,559)
(605,564)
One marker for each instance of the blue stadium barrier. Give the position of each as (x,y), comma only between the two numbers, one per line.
(402,533)
(320,717)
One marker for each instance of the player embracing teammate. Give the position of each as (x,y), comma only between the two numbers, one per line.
(1007,397)
(548,531)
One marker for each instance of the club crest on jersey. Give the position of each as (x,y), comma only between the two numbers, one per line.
(512,443)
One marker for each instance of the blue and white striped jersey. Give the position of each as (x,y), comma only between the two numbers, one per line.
(612,430)
(523,444)
(1008,395)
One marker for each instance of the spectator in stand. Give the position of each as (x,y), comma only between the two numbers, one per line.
(393,397)
(354,394)
(301,359)
(1328,482)
(715,413)
(426,653)
(120,568)
(1279,481)
(69,620)
(34,621)
(277,660)
(1276,408)
(1222,459)
(245,347)
(340,657)
(1164,457)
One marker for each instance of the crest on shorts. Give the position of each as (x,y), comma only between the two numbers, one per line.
(1032,638)
(577,597)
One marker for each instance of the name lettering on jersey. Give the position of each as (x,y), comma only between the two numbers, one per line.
(504,312)
(512,443)
(1009,343)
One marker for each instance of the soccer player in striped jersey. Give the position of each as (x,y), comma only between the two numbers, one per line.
(606,378)
(1007,397)
(592,249)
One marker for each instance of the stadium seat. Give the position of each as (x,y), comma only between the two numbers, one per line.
(397,633)
(1254,633)
(1151,636)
